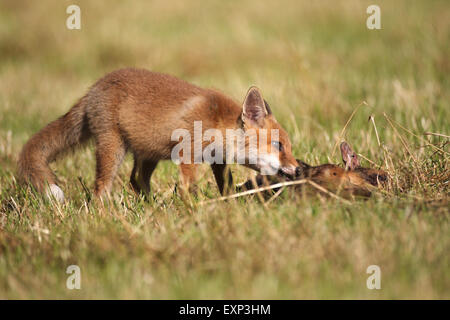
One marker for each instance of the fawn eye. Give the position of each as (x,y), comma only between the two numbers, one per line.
(277,145)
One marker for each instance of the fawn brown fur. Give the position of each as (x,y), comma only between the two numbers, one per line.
(353,180)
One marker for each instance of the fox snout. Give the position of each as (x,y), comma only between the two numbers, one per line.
(288,172)
(270,165)
(288,162)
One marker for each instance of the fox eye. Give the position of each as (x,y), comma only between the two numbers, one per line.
(277,145)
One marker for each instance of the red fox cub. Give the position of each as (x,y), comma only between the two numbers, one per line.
(137,110)
(354,180)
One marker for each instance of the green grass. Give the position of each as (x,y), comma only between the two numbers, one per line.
(315,62)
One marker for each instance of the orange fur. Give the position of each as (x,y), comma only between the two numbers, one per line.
(137,110)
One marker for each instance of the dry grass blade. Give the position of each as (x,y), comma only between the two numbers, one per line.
(405,145)
(274,186)
(346,125)
(419,137)
(253,178)
(436,134)
(274,196)
(402,140)
(368,160)
(248,192)
(372,119)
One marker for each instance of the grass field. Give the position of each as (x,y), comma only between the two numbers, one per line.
(316,63)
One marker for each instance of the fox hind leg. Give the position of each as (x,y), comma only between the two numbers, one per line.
(141,174)
(110,151)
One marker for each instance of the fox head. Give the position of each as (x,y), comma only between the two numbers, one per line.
(271,150)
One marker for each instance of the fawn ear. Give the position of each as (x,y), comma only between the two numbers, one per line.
(254,109)
(349,157)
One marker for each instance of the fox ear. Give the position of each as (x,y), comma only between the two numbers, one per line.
(254,108)
(349,157)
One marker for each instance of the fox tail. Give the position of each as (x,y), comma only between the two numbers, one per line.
(61,135)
